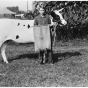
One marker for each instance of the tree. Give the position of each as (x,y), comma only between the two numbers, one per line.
(38,4)
(29,15)
(76,15)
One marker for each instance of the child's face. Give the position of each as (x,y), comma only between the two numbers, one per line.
(41,11)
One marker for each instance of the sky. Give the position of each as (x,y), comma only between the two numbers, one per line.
(21,3)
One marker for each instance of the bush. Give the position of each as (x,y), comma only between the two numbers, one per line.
(76,15)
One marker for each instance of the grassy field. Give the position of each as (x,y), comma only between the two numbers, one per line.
(70,67)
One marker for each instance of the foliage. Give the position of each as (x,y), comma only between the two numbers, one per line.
(76,15)
(29,15)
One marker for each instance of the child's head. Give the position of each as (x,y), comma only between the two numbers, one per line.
(41,10)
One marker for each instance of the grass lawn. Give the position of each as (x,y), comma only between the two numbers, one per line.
(70,67)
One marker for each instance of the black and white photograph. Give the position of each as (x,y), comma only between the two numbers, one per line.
(43,43)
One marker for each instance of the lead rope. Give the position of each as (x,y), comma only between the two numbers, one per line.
(54,35)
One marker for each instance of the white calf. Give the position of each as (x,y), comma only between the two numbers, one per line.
(10,31)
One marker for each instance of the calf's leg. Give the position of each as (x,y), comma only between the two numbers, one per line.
(41,56)
(44,56)
(50,57)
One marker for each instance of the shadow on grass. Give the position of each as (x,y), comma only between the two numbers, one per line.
(55,56)
(65,54)
(26,55)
